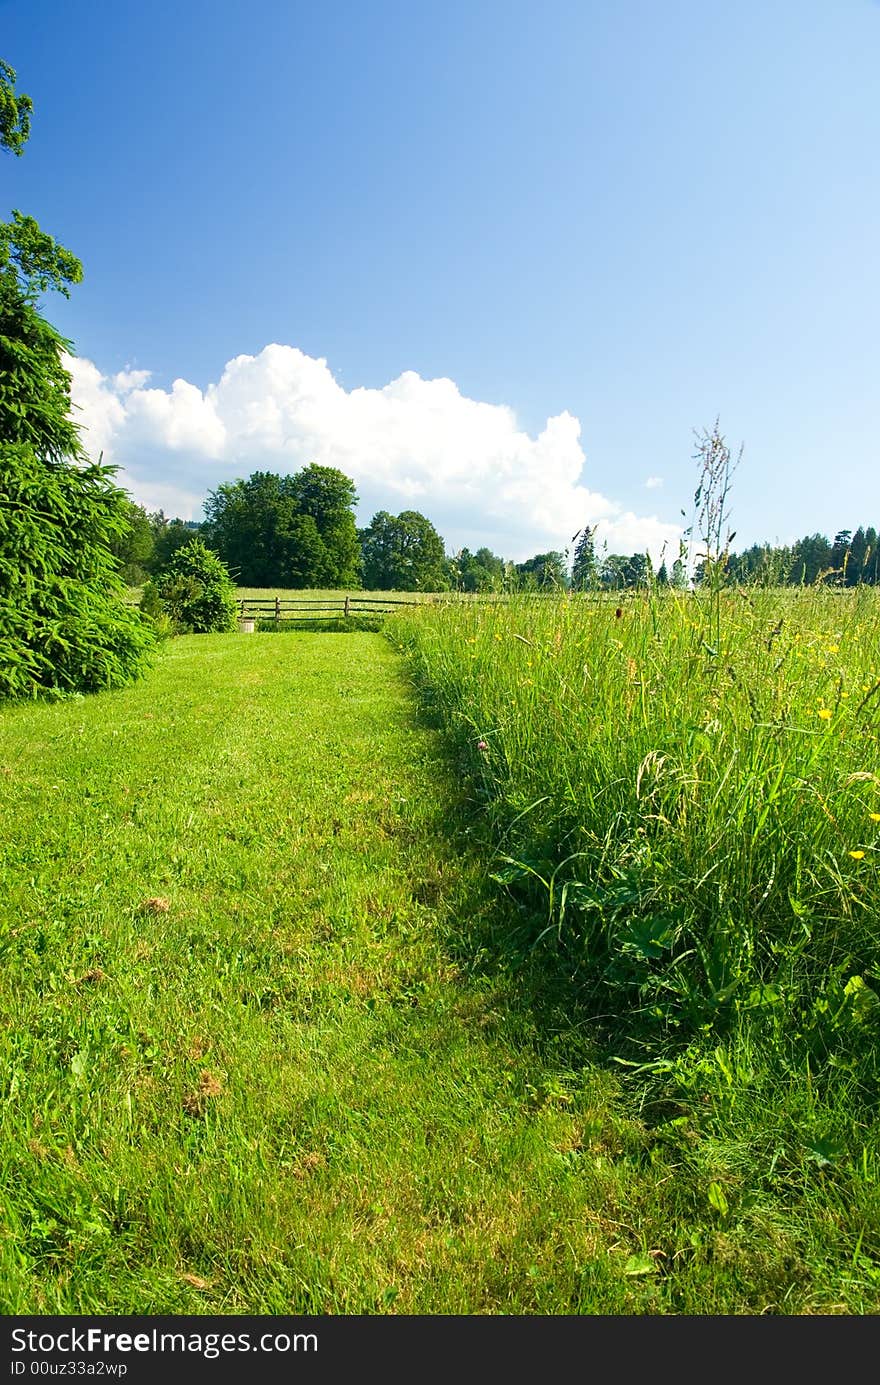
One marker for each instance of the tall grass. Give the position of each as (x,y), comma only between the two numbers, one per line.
(682,795)
(687,790)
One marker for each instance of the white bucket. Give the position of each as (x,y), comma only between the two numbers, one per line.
(247,625)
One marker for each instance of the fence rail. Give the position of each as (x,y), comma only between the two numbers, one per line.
(307,608)
(278,608)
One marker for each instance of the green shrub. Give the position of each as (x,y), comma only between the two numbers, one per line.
(194,590)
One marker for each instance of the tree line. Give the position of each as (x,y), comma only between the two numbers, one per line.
(300,532)
(850,559)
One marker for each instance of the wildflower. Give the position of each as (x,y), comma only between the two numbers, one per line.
(875,817)
(824,713)
(834,649)
(482,745)
(857,855)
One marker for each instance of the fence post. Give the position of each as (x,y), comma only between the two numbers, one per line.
(277,611)
(346,604)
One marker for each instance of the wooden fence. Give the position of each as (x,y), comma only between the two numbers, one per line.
(316,608)
(278,608)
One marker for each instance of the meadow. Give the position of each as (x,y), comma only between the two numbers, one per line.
(682,796)
(521,958)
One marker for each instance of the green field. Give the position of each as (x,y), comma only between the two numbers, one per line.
(523,963)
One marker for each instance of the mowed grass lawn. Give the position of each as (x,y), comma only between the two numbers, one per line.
(242,1070)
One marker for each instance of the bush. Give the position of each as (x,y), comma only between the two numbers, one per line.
(194,590)
(151,601)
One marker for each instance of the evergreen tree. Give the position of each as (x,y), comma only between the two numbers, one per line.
(195,591)
(811,558)
(64,623)
(858,552)
(584,567)
(872,559)
(840,554)
(679,575)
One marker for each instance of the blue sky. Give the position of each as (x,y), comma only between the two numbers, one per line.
(497,261)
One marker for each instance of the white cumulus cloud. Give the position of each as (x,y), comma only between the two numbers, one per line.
(125,380)
(412,444)
(653,483)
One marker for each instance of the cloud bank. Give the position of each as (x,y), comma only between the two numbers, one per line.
(413,444)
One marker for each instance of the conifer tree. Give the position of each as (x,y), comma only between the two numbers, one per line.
(64,623)
(584,566)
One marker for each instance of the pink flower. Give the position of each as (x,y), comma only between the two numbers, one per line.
(481,745)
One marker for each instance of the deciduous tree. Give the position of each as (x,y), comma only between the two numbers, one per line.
(543,570)
(288,531)
(403,553)
(134,549)
(168,536)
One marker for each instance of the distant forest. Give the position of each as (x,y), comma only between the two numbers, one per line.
(850,559)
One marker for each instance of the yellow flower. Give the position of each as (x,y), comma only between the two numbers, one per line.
(875,817)
(857,855)
(834,649)
(825,713)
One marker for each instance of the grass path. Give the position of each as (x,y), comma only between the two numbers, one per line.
(249,1061)
(277,1094)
